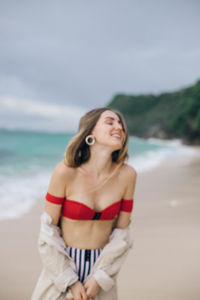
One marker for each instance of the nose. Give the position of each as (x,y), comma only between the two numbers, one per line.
(118,126)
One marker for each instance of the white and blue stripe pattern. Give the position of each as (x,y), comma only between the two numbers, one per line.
(84,260)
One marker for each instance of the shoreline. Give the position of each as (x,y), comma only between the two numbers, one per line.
(163,263)
(33,185)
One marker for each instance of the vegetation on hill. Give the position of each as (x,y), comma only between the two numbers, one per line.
(165,116)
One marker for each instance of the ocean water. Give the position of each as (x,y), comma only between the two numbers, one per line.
(27,160)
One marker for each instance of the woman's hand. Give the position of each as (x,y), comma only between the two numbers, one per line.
(78,291)
(92,288)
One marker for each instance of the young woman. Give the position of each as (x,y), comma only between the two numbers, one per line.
(91,192)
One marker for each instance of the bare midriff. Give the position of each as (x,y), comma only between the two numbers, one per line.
(86,234)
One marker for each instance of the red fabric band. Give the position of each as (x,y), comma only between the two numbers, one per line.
(127,205)
(54,199)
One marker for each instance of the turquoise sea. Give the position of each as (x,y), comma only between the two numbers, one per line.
(27,159)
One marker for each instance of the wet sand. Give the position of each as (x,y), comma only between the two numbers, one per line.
(164,261)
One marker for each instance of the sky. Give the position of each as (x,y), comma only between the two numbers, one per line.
(60,58)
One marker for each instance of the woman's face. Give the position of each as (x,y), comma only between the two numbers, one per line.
(109,131)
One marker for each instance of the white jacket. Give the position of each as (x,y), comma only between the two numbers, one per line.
(59,269)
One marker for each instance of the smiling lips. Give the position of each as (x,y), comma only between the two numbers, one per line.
(116,135)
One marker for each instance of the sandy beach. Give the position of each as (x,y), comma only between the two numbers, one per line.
(164,261)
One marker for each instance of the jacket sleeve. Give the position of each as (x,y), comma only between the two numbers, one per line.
(52,250)
(113,256)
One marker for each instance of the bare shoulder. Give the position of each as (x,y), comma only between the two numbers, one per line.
(63,171)
(128,181)
(128,173)
(60,177)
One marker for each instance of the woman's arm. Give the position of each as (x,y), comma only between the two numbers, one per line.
(56,187)
(115,251)
(57,263)
(130,176)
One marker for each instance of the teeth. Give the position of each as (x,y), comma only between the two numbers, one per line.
(116,135)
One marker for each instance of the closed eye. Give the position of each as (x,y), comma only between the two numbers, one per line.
(111,123)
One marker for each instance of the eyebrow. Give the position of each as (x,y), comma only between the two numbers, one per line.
(112,119)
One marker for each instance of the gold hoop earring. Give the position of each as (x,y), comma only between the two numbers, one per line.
(90,137)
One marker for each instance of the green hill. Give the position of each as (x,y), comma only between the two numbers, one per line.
(165,116)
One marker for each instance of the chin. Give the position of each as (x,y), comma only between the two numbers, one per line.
(117,147)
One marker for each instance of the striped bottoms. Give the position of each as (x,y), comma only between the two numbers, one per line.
(84,260)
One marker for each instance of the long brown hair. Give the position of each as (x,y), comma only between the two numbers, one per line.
(78,151)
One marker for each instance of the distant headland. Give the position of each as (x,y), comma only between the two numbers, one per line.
(164,116)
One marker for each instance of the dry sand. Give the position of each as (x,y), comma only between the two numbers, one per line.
(164,261)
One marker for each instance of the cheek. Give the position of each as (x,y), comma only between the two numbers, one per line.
(101,132)
(102,136)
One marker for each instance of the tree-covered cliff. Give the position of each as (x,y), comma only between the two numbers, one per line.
(165,116)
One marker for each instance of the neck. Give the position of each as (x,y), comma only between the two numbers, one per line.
(100,162)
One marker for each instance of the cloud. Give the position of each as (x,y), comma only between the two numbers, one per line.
(33,114)
(82,54)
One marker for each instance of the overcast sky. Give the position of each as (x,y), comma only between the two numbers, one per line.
(59,59)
